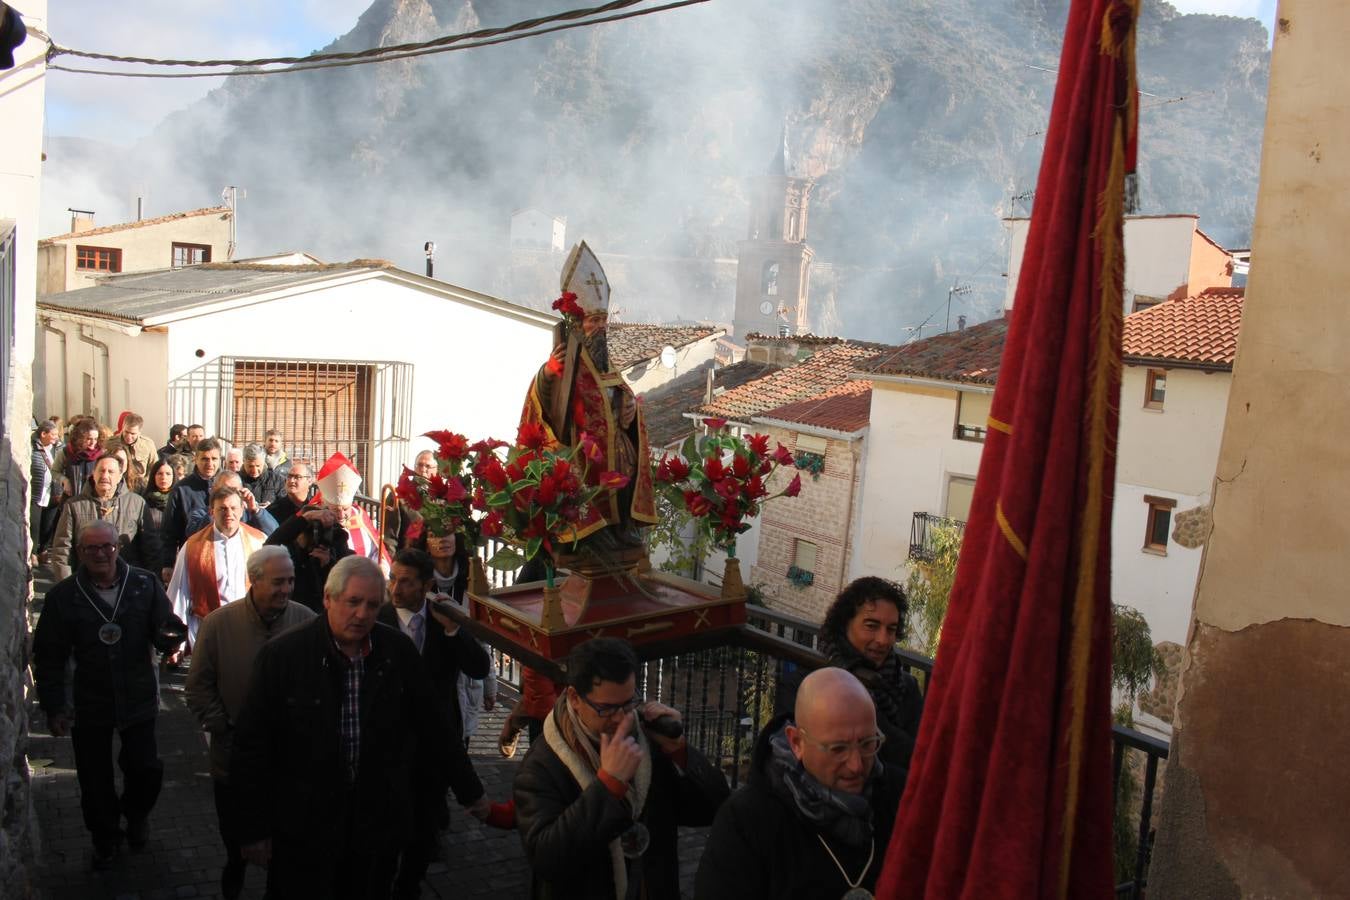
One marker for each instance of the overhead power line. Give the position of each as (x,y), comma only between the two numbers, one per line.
(578,18)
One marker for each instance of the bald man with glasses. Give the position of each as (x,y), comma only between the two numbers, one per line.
(816,814)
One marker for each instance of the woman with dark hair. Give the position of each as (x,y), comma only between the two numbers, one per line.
(450,557)
(75,461)
(859,634)
(156,546)
(46,500)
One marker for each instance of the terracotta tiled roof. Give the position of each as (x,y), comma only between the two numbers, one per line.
(630,344)
(1202,330)
(663,409)
(846,408)
(825,370)
(971,355)
(123,226)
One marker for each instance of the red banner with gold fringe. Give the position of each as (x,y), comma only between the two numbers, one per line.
(1009,794)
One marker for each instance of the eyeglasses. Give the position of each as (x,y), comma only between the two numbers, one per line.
(840,751)
(294,477)
(605,710)
(98,548)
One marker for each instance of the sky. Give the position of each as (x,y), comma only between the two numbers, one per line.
(122,110)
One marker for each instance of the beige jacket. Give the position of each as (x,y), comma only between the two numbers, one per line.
(222,660)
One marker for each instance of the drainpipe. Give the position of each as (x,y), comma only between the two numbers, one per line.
(107,369)
(858,457)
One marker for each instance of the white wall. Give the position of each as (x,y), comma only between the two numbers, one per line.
(1157,255)
(1175,448)
(471,367)
(1170,453)
(1160,587)
(532,228)
(132,379)
(910,456)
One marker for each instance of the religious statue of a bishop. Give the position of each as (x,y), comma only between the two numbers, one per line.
(578,392)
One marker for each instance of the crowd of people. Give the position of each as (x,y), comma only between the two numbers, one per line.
(337,694)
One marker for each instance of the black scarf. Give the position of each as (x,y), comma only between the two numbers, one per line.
(840,816)
(890,692)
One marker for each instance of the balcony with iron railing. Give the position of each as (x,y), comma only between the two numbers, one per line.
(921,534)
(728,693)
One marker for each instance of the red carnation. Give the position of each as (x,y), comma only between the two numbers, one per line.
(740,465)
(715,424)
(487,445)
(532,435)
(759,444)
(755,487)
(679,469)
(663,470)
(568,306)
(414,532)
(783,455)
(697,504)
(407,489)
(494,474)
(455,491)
(590,448)
(492,524)
(570,512)
(728,488)
(454,446)
(713,469)
(613,481)
(794,486)
(436,487)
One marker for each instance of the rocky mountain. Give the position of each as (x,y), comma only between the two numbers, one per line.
(920,119)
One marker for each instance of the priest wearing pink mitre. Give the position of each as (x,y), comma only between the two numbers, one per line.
(338,482)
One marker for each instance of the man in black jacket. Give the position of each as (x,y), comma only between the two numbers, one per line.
(107,616)
(815,817)
(316,542)
(599,798)
(190,494)
(338,731)
(446,651)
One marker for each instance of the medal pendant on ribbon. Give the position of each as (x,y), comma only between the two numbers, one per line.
(634,841)
(110,633)
(858,893)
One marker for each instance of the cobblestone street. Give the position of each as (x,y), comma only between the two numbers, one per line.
(185,855)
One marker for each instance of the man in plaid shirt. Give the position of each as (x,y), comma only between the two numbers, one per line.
(338,733)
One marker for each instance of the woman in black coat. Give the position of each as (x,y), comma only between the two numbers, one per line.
(154,545)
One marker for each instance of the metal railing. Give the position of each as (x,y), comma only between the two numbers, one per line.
(921,534)
(728,694)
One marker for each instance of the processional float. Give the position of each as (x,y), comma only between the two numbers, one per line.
(572,496)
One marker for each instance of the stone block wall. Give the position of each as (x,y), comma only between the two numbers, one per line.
(821,514)
(16,815)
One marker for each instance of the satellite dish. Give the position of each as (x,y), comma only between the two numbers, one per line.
(668,356)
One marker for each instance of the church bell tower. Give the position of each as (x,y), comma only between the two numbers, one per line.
(773,274)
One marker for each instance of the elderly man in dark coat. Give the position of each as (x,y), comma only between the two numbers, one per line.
(599,799)
(338,731)
(816,815)
(108,617)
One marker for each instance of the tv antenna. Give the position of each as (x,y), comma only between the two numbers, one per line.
(956,289)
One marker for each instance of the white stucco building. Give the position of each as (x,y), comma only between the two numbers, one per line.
(930,402)
(1173,400)
(533,229)
(1166,256)
(358,357)
(79,258)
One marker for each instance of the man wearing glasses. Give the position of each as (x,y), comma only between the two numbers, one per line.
(815,817)
(107,616)
(299,484)
(598,799)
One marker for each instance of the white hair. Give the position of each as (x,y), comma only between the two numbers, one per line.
(350,567)
(262,556)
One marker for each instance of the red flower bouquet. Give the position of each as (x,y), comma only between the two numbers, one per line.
(444,499)
(721,480)
(535,496)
